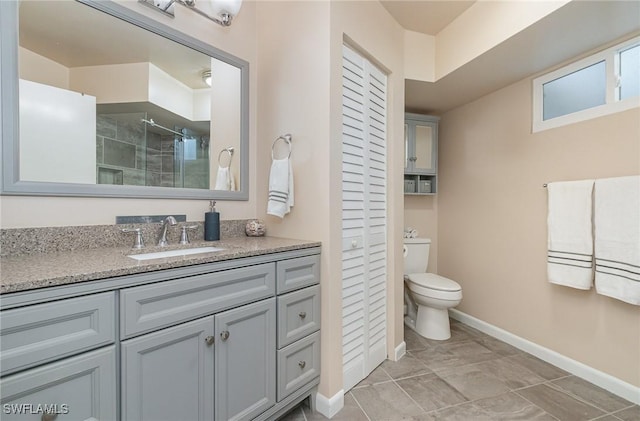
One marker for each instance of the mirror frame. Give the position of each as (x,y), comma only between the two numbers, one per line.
(9,119)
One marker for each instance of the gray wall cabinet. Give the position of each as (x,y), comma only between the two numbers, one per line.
(217,341)
(421,153)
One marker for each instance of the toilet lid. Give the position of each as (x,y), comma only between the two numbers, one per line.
(433,281)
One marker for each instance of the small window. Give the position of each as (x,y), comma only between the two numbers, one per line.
(601,84)
(629,72)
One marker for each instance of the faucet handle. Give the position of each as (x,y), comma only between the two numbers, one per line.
(184,237)
(139,242)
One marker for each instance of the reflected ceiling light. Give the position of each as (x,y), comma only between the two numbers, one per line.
(221,12)
(206,77)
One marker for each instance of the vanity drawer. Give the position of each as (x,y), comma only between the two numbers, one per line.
(298,273)
(298,364)
(77,388)
(41,333)
(150,307)
(298,315)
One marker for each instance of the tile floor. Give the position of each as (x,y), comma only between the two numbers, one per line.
(472,377)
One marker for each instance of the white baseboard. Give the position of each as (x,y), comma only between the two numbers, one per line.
(606,381)
(330,406)
(400,351)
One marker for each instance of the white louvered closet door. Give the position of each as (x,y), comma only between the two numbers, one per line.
(363,217)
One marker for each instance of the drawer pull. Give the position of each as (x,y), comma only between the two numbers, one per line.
(48,417)
(209,340)
(302,364)
(302,314)
(224,335)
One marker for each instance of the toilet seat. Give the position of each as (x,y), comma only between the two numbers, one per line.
(433,281)
(434,286)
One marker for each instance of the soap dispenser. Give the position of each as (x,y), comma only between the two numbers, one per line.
(212,223)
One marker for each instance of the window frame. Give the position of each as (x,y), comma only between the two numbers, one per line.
(612,104)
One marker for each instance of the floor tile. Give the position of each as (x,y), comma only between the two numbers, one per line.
(377,376)
(513,375)
(558,404)
(350,412)
(431,392)
(407,366)
(511,407)
(541,368)
(607,418)
(413,341)
(296,414)
(465,412)
(473,383)
(454,354)
(629,414)
(497,346)
(591,393)
(386,402)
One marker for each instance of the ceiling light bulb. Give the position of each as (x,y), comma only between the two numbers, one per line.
(206,77)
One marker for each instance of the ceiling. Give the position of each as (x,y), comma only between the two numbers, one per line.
(572,30)
(428,17)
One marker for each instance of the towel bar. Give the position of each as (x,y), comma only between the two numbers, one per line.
(287,139)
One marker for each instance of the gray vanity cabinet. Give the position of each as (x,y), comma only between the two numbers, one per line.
(245,361)
(231,340)
(169,375)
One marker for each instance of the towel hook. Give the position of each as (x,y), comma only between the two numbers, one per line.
(287,139)
(229,150)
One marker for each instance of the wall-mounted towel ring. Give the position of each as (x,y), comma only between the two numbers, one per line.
(228,150)
(286,139)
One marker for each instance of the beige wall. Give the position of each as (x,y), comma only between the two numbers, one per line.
(492,231)
(421,213)
(300,92)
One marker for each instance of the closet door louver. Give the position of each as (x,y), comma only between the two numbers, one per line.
(363,217)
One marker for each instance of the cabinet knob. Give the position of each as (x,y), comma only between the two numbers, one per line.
(48,417)
(209,340)
(302,314)
(224,335)
(302,364)
(354,244)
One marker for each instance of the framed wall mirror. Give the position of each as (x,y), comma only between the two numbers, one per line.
(98,100)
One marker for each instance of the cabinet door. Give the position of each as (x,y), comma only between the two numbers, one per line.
(245,361)
(425,148)
(77,388)
(168,375)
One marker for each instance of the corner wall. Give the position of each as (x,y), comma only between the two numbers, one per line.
(300,92)
(492,231)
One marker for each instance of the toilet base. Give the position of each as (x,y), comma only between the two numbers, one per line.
(433,323)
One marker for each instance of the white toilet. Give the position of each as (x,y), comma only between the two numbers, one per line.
(430,296)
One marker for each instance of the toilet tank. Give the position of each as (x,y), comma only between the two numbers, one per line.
(416,255)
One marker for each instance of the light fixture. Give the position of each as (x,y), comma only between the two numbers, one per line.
(219,11)
(206,77)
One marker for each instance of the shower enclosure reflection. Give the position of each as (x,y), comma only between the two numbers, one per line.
(137,149)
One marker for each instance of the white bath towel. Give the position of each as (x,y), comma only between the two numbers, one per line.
(569,229)
(617,238)
(280,188)
(224,179)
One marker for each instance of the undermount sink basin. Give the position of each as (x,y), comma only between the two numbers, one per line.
(174,253)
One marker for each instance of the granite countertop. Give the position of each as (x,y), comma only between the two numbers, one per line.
(41,270)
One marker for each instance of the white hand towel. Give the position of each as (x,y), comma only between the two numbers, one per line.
(224,179)
(617,238)
(569,240)
(280,188)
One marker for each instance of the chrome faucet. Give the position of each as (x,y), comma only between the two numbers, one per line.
(169,220)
